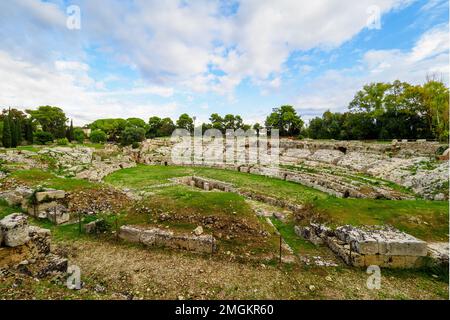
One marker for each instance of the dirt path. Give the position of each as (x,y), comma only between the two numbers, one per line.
(125,271)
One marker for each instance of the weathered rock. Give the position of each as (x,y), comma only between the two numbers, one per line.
(198,231)
(40,210)
(97,226)
(16,196)
(165,238)
(58,214)
(41,240)
(439,252)
(381,240)
(14,229)
(129,233)
(309,234)
(49,195)
(53,264)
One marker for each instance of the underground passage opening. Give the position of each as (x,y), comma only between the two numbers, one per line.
(342,149)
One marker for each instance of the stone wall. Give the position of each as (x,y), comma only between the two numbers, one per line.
(370,245)
(27,248)
(44,204)
(164,238)
(337,164)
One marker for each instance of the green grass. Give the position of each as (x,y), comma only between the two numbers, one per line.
(32,148)
(90,145)
(297,244)
(187,200)
(143,176)
(36,177)
(433,215)
(6,209)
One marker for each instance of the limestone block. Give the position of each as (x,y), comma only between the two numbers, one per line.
(438,251)
(309,234)
(16,196)
(129,233)
(14,229)
(408,247)
(40,239)
(58,215)
(148,237)
(365,247)
(39,210)
(50,195)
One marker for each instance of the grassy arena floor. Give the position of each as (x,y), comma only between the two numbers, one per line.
(129,271)
(427,220)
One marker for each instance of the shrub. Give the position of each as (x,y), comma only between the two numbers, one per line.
(98,136)
(62,142)
(78,135)
(132,135)
(43,137)
(135,145)
(444,136)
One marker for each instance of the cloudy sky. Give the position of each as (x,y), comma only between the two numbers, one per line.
(143,58)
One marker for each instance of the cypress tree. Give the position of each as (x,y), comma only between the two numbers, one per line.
(12,125)
(69,134)
(29,132)
(19,132)
(6,133)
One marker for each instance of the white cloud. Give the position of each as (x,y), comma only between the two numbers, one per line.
(177,42)
(336,88)
(27,85)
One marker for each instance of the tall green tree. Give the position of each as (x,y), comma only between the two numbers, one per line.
(14,136)
(6,138)
(185,122)
(19,137)
(217,122)
(166,127)
(29,131)
(52,119)
(286,120)
(69,134)
(154,124)
(112,127)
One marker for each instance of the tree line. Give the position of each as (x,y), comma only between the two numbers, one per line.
(378,111)
(389,111)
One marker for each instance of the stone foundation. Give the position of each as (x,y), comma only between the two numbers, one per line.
(44,205)
(27,248)
(163,238)
(365,246)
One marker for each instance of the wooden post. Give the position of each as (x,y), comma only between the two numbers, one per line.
(117,227)
(280,248)
(79,223)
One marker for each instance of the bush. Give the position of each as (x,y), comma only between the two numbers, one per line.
(62,142)
(98,136)
(78,135)
(135,145)
(43,137)
(444,136)
(132,135)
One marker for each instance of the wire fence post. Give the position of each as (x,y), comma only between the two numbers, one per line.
(79,223)
(280,250)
